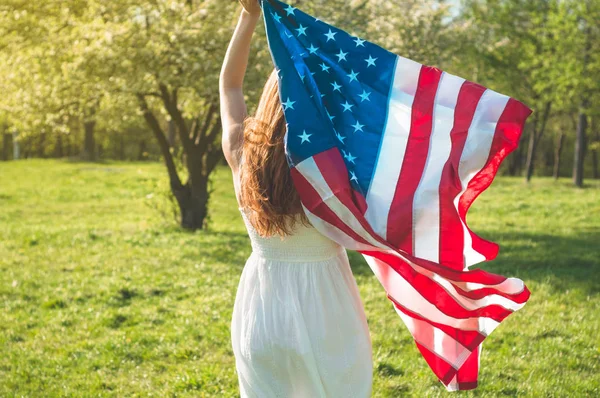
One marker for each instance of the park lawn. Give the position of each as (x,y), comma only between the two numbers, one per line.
(102,295)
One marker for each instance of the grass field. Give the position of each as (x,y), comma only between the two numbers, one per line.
(102,296)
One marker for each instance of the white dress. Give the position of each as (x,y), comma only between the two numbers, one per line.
(299,329)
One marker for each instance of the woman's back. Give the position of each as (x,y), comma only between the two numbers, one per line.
(304,244)
(299,327)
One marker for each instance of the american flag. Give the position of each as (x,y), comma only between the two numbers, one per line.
(388,155)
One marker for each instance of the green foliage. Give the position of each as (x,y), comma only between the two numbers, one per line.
(99,298)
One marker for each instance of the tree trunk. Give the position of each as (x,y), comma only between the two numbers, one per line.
(595,171)
(142,150)
(68,145)
(595,164)
(171,133)
(122,146)
(58,147)
(580,141)
(89,144)
(557,153)
(42,142)
(5,145)
(534,139)
(580,146)
(516,160)
(193,200)
(16,145)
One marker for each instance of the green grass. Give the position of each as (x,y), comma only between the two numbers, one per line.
(102,296)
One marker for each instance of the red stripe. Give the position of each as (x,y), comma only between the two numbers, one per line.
(451,230)
(441,368)
(399,227)
(468,372)
(506,138)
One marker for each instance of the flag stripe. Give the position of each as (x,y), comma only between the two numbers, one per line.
(507,130)
(474,156)
(393,144)
(451,227)
(400,222)
(426,202)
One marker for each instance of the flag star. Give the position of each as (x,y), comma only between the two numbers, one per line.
(341,56)
(330,117)
(313,49)
(336,87)
(288,104)
(304,137)
(330,35)
(371,61)
(353,76)
(276,17)
(340,137)
(322,95)
(317,20)
(301,30)
(290,10)
(324,67)
(350,158)
(359,42)
(347,106)
(364,96)
(302,77)
(358,126)
(288,35)
(353,177)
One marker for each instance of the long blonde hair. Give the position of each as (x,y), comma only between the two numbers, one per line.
(266,183)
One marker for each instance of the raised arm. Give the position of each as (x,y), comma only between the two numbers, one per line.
(233,106)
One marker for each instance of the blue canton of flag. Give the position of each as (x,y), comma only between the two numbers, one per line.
(341,81)
(387,156)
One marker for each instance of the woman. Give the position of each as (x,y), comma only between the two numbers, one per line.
(298,328)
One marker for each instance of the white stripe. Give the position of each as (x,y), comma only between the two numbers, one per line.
(475,154)
(508,286)
(393,145)
(426,201)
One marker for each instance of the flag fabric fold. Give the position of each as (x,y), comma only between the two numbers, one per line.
(387,156)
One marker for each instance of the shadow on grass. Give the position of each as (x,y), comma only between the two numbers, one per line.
(563,262)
